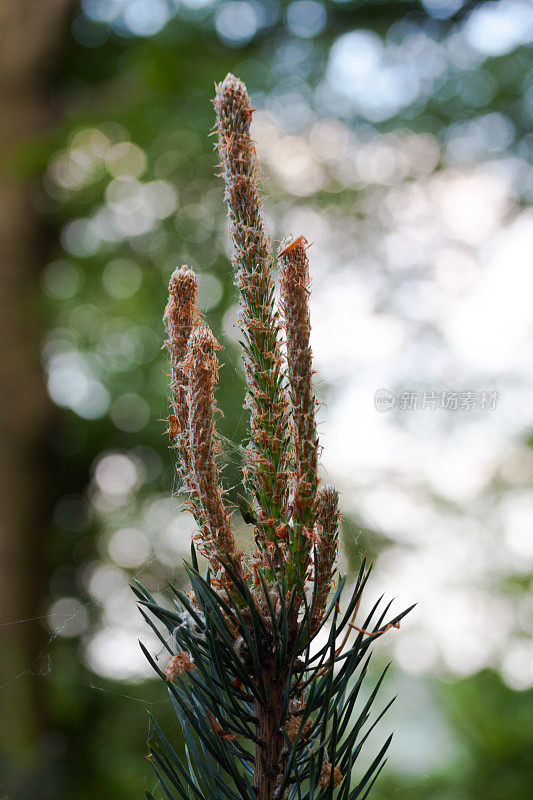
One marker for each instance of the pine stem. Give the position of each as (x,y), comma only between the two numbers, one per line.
(267,763)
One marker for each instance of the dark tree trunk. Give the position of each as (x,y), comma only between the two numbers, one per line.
(31,32)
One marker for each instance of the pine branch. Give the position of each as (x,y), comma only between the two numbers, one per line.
(266,712)
(312,731)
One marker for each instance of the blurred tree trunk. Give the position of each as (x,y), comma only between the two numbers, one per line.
(31,32)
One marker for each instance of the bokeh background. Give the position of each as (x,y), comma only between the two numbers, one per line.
(396,136)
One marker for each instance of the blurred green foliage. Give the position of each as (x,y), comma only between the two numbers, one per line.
(493,725)
(129,186)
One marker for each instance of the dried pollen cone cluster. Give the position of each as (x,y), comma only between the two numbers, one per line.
(177,665)
(326,776)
